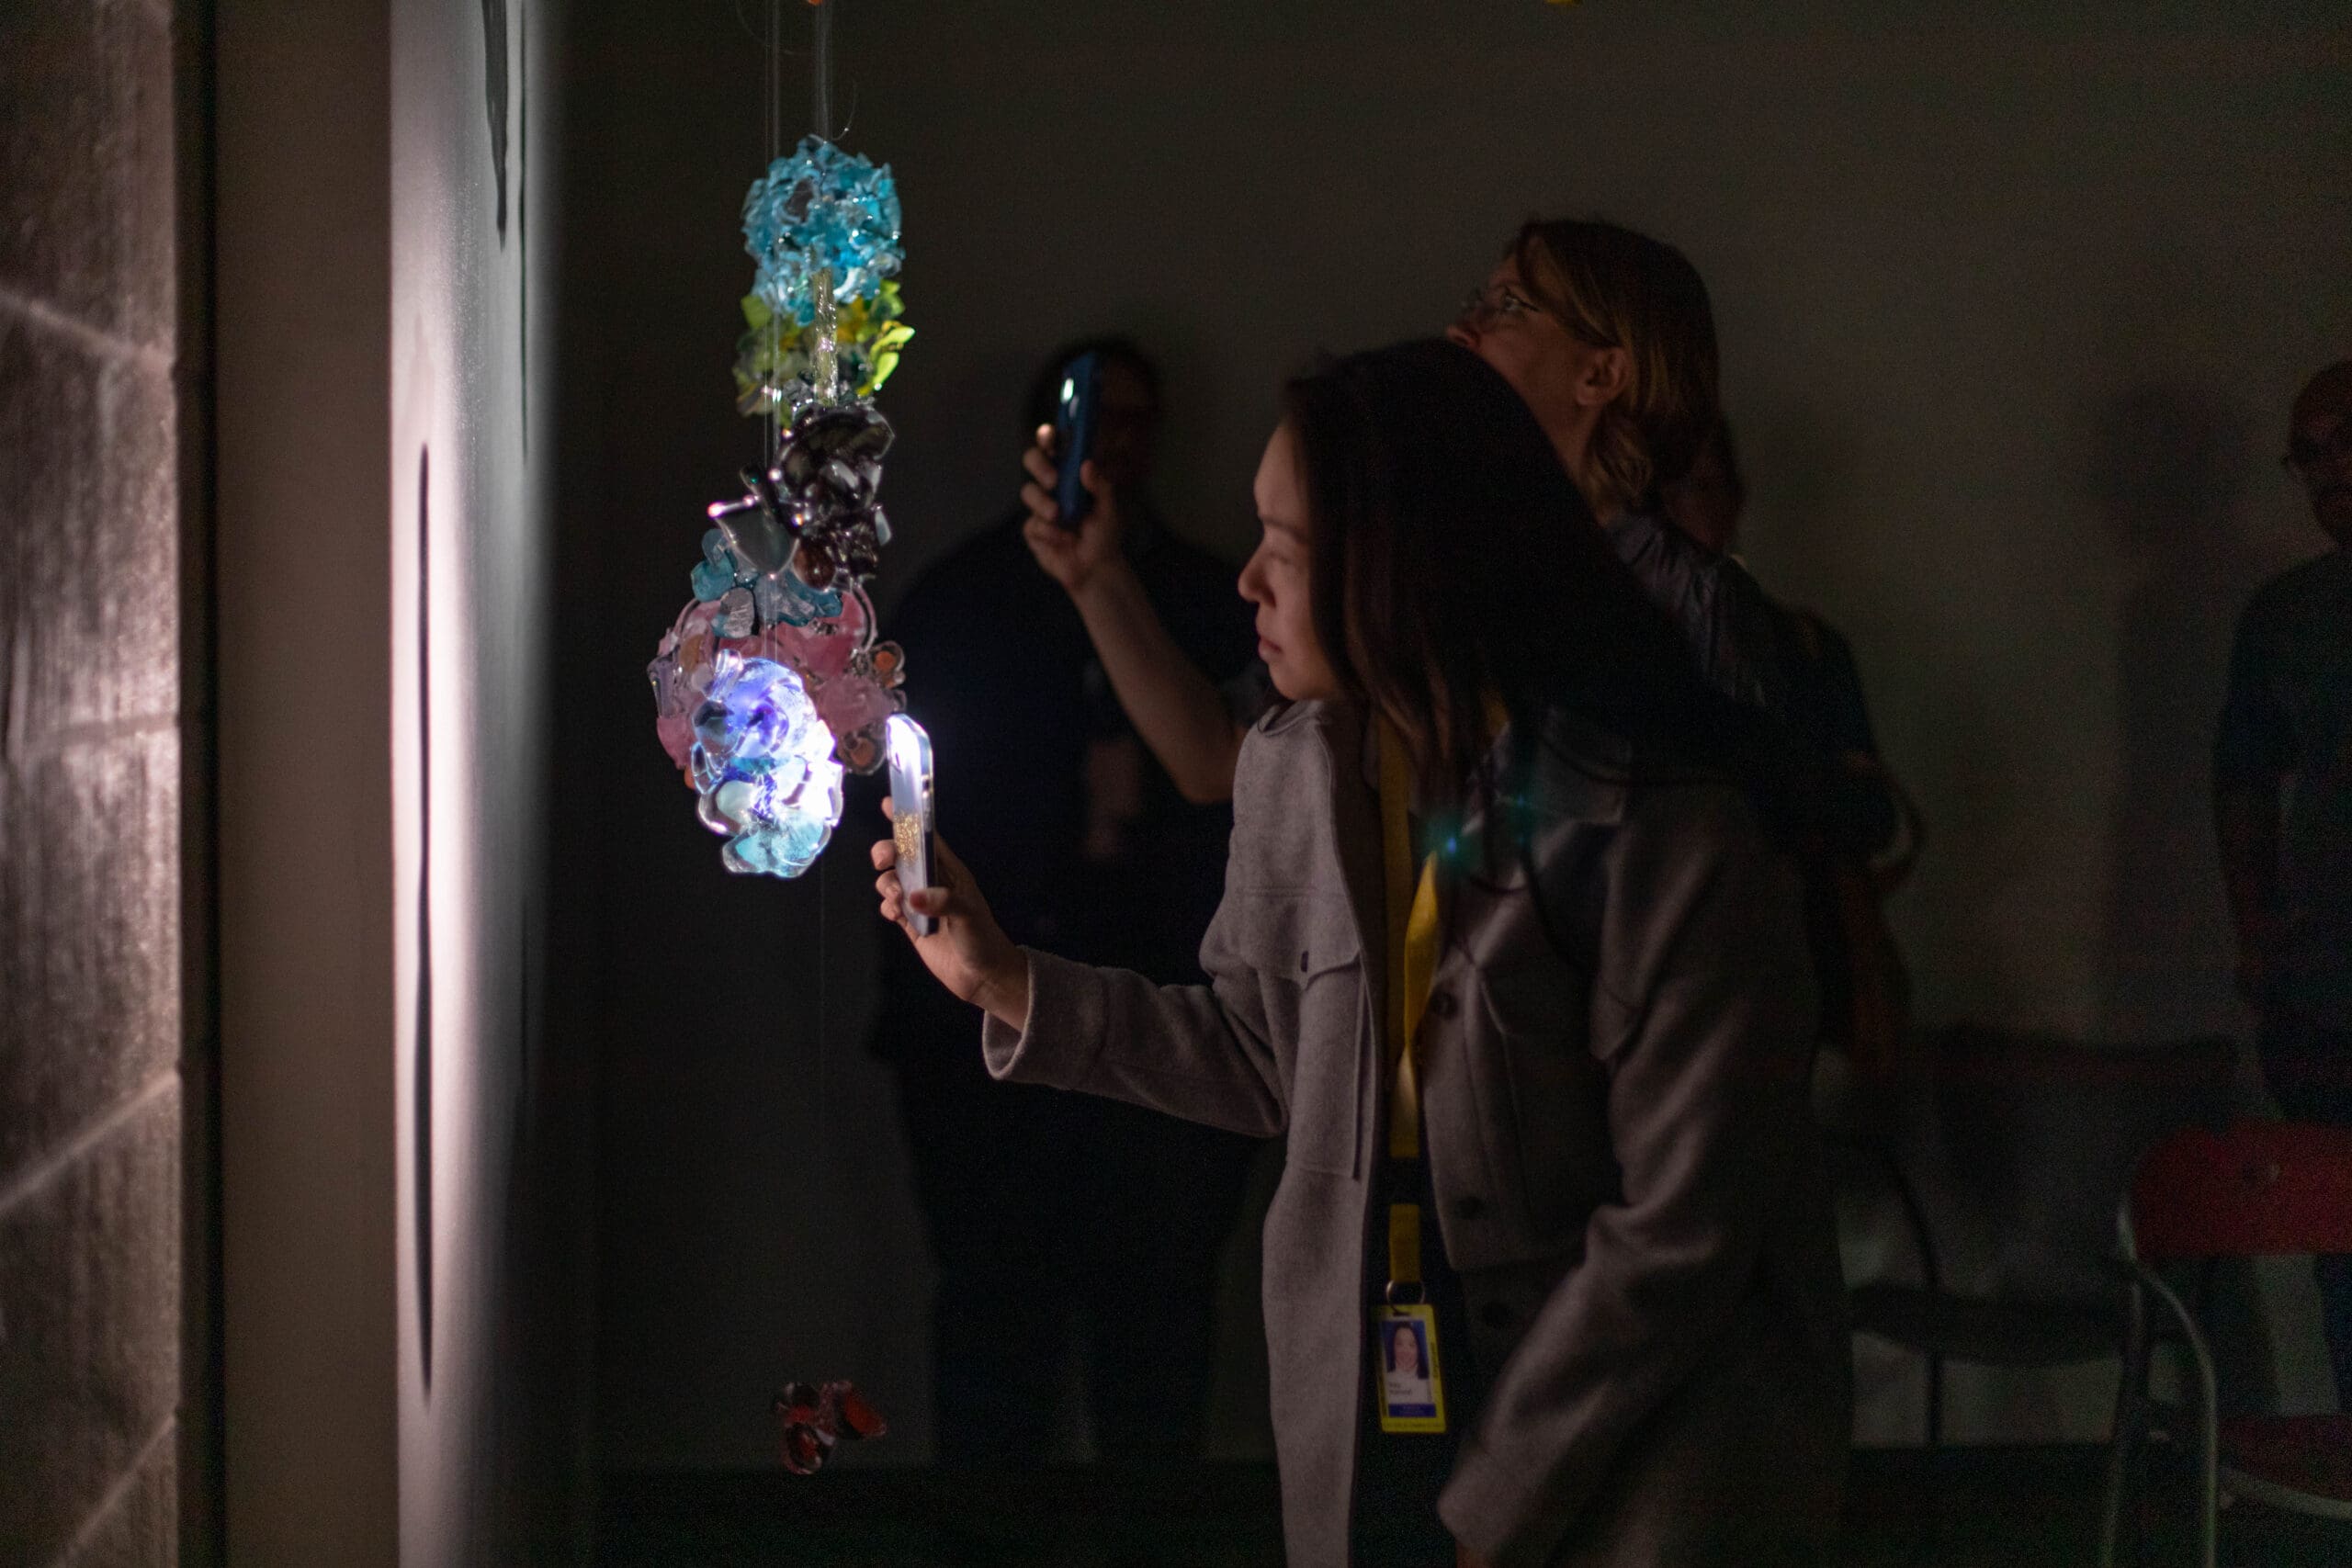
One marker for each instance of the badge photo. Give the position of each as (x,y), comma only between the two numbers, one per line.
(1412,1394)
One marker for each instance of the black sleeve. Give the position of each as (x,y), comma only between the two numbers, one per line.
(1837,686)
(1726,618)
(1861,812)
(2255,743)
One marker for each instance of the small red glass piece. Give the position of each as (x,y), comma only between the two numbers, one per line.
(816,1418)
(858,1419)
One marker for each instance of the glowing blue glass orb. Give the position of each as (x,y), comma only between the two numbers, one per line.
(762,762)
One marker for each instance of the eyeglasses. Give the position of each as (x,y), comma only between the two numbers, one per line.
(2304,455)
(1489,303)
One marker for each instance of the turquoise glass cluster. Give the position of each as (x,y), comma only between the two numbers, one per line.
(822,211)
(777,596)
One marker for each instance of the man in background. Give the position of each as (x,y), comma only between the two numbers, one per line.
(1060,1220)
(2282,804)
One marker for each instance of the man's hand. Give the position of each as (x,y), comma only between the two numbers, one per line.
(1073,558)
(966,951)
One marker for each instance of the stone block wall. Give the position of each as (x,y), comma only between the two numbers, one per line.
(91,788)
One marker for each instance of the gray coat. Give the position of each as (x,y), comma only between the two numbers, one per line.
(1627,1172)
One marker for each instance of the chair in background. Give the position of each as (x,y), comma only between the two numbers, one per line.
(2257,1190)
(2043,1133)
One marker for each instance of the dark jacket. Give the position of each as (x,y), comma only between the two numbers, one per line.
(1732,625)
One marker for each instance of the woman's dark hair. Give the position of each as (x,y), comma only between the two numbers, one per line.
(1452,560)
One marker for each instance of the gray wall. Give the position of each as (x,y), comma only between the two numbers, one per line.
(2013,297)
(402,1138)
(96,733)
(303,258)
(488,1149)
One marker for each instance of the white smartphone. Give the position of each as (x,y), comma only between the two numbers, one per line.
(913,809)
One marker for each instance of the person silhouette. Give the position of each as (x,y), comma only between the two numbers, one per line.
(2282,807)
(1060,1222)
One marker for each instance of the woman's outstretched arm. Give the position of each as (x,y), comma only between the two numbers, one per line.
(1199,1051)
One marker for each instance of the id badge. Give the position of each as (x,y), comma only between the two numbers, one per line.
(1405,1368)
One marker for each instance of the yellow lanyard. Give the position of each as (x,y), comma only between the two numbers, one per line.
(1411,903)
(1412,941)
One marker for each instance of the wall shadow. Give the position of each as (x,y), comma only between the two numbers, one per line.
(2169,471)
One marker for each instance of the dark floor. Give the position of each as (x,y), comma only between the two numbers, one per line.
(1975,1508)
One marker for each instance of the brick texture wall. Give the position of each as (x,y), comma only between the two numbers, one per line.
(90,785)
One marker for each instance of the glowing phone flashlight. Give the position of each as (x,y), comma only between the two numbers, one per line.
(913,809)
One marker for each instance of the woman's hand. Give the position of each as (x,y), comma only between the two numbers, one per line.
(966,950)
(1073,558)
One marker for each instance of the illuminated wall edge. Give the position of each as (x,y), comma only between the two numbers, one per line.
(386,1146)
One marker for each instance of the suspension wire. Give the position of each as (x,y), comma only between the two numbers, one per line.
(822,331)
(824,359)
(775,151)
(821,109)
(821,102)
(820,68)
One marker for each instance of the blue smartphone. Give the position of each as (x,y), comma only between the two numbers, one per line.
(1074,436)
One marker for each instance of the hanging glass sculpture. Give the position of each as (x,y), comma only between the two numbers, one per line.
(771,681)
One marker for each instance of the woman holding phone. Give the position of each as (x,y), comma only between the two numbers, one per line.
(1510,952)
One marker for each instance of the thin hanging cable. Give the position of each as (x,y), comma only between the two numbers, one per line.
(824,359)
(775,151)
(824,1052)
(821,96)
(828,387)
(822,110)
